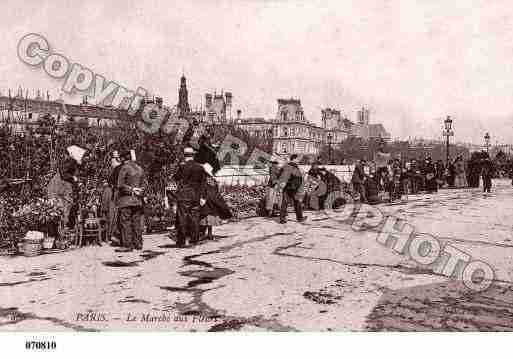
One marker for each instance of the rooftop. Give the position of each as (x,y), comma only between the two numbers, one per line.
(285,101)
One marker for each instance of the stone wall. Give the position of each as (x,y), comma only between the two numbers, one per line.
(247,175)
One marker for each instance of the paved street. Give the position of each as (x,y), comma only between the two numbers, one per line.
(260,275)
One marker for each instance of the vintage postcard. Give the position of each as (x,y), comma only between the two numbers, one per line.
(244,166)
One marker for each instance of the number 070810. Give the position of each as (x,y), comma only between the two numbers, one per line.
(36,345)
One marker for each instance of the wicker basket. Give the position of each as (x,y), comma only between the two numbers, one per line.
(32,248)
(48,242)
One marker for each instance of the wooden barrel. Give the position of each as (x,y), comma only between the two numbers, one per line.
(32,248)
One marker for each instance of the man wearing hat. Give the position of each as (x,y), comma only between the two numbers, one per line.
(130,187)
(191,194)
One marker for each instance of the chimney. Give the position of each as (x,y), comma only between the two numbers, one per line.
(208,100)
(228,97)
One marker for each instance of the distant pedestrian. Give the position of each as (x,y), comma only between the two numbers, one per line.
(487,174)
(430,170)
(451,173)
(358,180)
(440,170)
(460,180)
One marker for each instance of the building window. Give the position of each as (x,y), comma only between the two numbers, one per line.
(283,148)
(285,132)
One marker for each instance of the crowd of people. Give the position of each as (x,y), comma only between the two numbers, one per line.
(370,182)
(191,190)
(32,159)
(399,178)
(117,177)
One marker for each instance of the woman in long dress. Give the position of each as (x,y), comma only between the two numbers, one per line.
(215,208)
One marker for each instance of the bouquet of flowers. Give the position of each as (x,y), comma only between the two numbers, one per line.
(40,214)
(243,200)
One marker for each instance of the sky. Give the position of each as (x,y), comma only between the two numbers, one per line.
(411,62)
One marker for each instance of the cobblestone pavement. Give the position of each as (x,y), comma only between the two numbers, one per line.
(261,275)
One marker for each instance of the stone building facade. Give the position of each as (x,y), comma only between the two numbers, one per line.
(292,133)
(337,128)
(218,108)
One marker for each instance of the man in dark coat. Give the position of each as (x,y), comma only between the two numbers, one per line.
(131,185)
(291,180)
(191,194)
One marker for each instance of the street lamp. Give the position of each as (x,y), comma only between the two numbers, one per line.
(448,132)
(487,141)
(329,146)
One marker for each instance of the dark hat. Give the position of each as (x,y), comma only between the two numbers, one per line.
(124,154)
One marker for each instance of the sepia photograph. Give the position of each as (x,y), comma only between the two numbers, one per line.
(255,166)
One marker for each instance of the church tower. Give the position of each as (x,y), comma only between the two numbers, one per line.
(183,98)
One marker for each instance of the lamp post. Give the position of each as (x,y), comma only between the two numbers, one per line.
(487,141)
(329,147)
(448,132)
